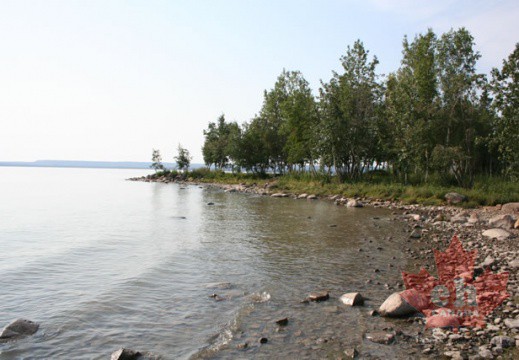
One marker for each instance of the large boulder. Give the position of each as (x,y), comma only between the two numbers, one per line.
(502,221)
(397,306)
(510,208)
(455,198)
(19,328)
(498,234)
(352,299)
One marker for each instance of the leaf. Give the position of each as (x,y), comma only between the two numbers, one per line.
(456,295)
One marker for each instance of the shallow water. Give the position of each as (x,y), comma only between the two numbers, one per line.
(103,263)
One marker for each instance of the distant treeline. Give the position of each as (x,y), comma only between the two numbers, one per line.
(433,119)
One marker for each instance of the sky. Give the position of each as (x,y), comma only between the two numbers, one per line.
(111,80)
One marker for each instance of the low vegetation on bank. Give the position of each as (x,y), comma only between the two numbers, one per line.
(486,191)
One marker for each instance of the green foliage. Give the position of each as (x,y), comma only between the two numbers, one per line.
(486,190)
(435,123)
(156,159)
(219,144)
(183,158)
(349,106)
(505,135)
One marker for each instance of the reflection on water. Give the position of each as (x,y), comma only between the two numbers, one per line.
(104,263)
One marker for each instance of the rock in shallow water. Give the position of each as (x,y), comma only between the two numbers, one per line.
(319,296)
(19,328)
(351,353)
(125,354)
(352,203)
(352,299)
(396,306)
(380,337)
(282,322)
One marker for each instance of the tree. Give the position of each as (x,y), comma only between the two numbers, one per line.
(411,105)
(217,142)
(300,119)
(460,90)
(350,106)
(249,150)
(156,159)
(505,135)
(183,158)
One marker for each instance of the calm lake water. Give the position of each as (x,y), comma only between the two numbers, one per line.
(103,263)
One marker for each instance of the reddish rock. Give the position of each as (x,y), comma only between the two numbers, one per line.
(442,321)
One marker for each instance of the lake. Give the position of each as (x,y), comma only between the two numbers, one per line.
(103,263)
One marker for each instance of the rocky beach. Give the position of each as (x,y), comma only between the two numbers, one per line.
(492,231)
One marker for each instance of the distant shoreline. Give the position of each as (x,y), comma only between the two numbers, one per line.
(83,164)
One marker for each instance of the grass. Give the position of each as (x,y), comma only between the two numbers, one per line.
(485,192)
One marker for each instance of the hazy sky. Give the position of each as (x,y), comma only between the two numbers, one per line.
(110,80)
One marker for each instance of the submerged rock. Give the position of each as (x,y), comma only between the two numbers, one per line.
(352,299)
(19,328)
(282,322)
(219,285)
(381,337)
(351,353)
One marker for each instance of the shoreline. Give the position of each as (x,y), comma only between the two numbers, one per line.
(431,228)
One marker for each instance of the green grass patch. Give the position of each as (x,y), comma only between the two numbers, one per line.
(486,190)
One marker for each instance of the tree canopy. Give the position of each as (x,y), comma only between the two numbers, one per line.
(435,115)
